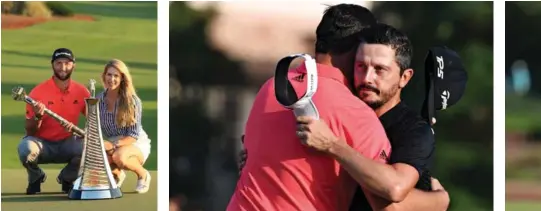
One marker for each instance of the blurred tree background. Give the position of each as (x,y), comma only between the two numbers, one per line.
(36,9)
(204,135)
(522,103)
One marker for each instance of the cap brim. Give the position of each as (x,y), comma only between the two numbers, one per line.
(65,57)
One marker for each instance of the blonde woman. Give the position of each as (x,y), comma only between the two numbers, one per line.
(127,144)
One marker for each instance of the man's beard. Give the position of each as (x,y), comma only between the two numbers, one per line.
(66,77)
(384,96)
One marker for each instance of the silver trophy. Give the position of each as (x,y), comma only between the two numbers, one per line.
(95,179)
(19,94)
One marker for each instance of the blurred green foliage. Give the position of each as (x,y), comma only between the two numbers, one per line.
(522,43)
(464,133)
(522,116)
(59,9)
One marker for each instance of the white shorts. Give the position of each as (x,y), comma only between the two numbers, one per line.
(145,150)
(142,145)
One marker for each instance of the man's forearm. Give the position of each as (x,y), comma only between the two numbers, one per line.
(422,201)
(380,179)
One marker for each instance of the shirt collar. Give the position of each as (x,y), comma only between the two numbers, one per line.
(389,117)
(69,88)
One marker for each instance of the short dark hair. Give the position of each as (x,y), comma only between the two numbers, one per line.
(387,35)
(336,33)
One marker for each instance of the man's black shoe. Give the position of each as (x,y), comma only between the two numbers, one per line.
(66,186)
(35,187)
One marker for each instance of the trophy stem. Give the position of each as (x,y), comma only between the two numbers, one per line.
(96,179)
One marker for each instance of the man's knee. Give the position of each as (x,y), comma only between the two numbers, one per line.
(28,150)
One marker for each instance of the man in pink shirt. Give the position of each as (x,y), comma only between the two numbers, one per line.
(281,174)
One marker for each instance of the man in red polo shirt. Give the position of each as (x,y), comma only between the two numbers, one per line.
(283,175)
(47,141)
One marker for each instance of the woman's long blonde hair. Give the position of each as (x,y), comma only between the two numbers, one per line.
(125,113)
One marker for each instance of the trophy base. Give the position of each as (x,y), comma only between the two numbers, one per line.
(95,194)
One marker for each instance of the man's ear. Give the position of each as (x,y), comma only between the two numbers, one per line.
(405,77)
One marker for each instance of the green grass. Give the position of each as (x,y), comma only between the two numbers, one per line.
(123,30)
(519,115)
(522,206)
(53,199)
